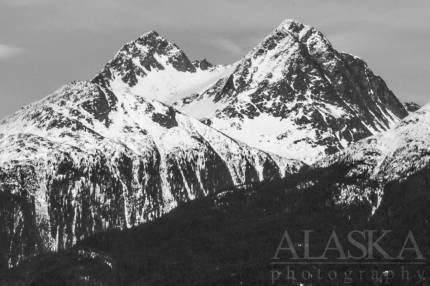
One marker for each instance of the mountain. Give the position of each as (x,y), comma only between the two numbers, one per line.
(153,67)
(115,152)
(389,157)
(296,96)
(93,156)
(229,238)
(315,99)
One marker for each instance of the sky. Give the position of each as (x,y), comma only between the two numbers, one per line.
(47,43)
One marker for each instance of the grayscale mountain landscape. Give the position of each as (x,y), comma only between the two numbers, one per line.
(162,169)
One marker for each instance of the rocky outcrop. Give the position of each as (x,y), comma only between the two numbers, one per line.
(411,106)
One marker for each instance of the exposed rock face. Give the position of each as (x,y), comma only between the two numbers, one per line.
(411,106)
(296,96)
(85,159)
(203,64)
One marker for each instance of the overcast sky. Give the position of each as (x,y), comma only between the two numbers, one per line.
(47,43)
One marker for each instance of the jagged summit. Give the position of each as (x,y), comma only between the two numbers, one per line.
(136,59)
(290,23)
(300,33)
(295,95)
(151,33)
(291,26)
(156,68)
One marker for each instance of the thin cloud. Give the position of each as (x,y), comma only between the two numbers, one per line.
(8,51)
(226,45)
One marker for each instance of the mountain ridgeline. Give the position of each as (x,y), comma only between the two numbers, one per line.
(154,130)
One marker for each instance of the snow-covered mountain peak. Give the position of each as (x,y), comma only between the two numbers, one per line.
(303,34)
(150,52)
(293,27)
(155,68)
(290,24)
(296,96)
(150,34)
